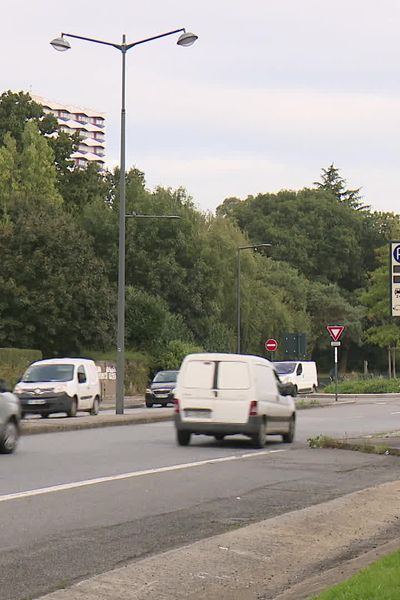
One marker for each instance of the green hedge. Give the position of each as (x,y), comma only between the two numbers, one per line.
(376,385)
(14,361)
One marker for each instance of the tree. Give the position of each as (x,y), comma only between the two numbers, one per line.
(383,329)
(18,109)
(29,172)
(317,235)
(54,295)
(332,181)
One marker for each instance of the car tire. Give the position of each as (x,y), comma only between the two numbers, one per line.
(9,437)
(23,415)
(219,437)
(260,437)
(295,391)
(149,404)
(314,389)
(73,408)
(95,407)
(289,436)
(183,437)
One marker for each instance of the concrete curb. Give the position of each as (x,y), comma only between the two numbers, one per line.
(261,560)
(78,423)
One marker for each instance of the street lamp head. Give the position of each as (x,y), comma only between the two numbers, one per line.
(187,39)
(60,44)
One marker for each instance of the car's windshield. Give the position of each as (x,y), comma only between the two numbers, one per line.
(284,368)
(165,377)
(38,373)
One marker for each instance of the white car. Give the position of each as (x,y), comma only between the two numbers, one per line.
(59,385)
(9,420)
(226,394)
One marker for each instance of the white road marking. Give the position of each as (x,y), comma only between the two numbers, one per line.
(87,482)
(396,413)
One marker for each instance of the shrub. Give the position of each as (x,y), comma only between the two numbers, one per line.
(14,361)
(377,385)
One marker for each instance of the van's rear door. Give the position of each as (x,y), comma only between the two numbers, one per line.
(198,390)
(233,392)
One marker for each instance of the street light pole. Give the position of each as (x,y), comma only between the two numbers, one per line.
(61,44)
(239,248)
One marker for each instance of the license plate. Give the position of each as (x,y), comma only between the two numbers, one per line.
(161,395)
(36,401)
(198,413)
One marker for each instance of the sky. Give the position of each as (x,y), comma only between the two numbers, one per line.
(272,92)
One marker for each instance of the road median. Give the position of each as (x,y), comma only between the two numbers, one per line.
(262,560)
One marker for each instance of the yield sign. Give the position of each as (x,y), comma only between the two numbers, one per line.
(335,331)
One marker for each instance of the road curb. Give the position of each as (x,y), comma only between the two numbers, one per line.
(96,422)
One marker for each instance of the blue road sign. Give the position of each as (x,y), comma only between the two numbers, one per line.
(396,253)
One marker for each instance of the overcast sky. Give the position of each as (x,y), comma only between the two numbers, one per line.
(272,92)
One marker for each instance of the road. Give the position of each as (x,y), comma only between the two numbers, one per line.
(157,496)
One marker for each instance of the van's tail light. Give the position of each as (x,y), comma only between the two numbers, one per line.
(176,402)
(253,409)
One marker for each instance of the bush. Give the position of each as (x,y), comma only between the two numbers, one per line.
(377,385)
(175,352)
(14,361)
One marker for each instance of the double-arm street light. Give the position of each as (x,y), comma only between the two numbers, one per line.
(61,44)
(239,248)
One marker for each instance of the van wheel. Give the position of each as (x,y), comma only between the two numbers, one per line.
(9,438)
(295,391)
(183,437)
(289,436)
(219,437)
(73,408)
(260,438)
(95,407)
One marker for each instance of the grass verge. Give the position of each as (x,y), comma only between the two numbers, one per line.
(323,441)
(379,581)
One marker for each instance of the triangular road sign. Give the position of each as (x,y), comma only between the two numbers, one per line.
(335,331)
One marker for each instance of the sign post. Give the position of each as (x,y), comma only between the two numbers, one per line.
(272,346)
(335,331)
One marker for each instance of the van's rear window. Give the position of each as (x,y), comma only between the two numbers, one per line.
(199,374)
(233,375)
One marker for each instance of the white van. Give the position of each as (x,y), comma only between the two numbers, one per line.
(302,374)
(59,385)
(226,394)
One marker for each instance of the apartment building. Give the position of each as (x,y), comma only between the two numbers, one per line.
(90,125)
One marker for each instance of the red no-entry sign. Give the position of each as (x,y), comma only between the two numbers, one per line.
(271,345)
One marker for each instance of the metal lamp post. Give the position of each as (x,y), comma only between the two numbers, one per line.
(61,44)
(239,248)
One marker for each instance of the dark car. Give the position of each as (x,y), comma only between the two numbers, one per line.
(161,390)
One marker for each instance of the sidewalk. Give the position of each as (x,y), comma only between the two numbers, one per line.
(286,557)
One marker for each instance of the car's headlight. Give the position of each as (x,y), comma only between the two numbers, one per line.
(148,391)
(18,389)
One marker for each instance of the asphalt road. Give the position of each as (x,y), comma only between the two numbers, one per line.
(158,496)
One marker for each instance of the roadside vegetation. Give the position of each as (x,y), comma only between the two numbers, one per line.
(375,385)
(363,445)
(379,581)
(59,260)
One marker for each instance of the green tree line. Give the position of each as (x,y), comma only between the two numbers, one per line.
(59,257)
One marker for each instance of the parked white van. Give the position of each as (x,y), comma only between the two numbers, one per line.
(226,394)
(59,385)
(302,374)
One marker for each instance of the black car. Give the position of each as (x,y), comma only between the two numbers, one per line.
(161,390)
